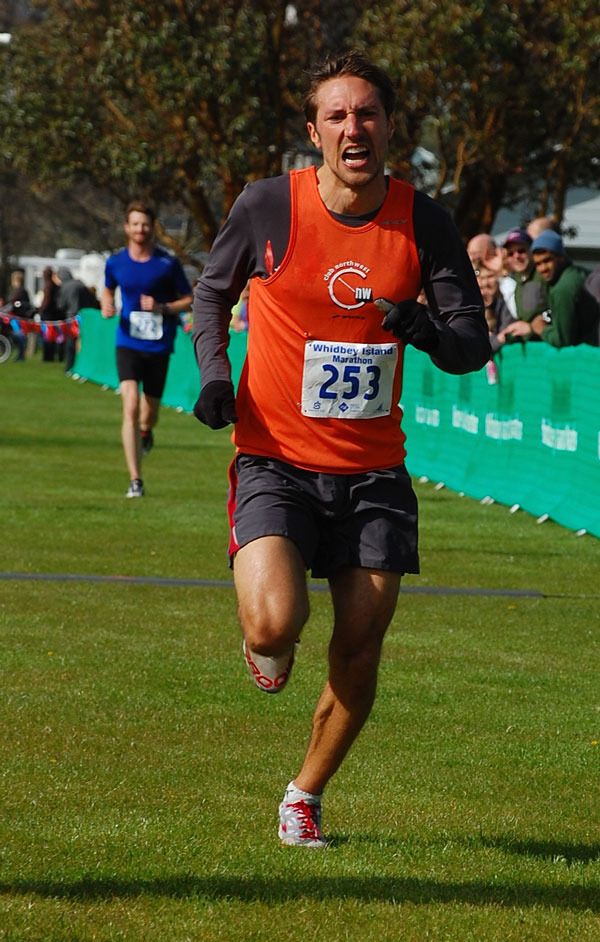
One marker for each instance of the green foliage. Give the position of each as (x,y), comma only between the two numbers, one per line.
(185,100)
(178,101)
(510,88)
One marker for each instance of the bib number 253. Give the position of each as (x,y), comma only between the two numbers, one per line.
(348,381)
(350,386)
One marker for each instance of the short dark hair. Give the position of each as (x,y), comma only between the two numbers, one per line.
(349,63)
(141,206)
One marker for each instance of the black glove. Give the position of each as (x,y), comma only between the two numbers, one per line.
(216,404)
(410,322)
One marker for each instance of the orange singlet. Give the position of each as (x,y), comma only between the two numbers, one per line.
(322,380)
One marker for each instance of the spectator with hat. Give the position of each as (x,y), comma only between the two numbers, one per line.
(530,297)
(571,316)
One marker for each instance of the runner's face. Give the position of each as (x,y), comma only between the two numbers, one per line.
(352,130)
(139,228)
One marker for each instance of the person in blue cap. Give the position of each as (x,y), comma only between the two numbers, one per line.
(572,314)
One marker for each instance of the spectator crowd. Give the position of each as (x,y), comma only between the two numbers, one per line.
(50,321)
(532,291)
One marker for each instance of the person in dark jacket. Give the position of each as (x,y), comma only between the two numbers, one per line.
(592,286)
(21,308)
(49,313)
(73,297)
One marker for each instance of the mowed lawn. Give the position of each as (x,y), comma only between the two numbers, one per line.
(141,771)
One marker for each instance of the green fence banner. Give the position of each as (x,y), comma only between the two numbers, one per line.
(96,360)
(528,435)
(531,438)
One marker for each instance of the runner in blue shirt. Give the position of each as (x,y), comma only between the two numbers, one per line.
(154,290)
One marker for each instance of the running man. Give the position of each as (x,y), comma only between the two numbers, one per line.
(154,291)
(336,258)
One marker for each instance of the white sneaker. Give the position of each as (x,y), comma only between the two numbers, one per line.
(270,674)
(300,821)
(136,489)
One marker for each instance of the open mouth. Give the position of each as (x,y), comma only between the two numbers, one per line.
(356,156)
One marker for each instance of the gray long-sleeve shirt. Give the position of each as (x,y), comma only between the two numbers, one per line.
(253,242)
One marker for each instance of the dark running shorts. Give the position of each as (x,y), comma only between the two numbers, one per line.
(366,520)
(149,369)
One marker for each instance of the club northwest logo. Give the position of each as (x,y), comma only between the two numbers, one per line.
(346,285)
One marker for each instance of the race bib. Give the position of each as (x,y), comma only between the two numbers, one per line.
(348,380)
(145,325)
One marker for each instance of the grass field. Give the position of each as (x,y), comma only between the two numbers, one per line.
(141,771)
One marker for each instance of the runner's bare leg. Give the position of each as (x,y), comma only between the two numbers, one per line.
(364,602)
(149,407)
(273,607)
(270,581)
(130,428)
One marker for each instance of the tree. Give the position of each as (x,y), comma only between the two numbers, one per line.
(182,101)
(510,91)
(185,101)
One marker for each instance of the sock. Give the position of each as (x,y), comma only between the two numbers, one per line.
(293,793)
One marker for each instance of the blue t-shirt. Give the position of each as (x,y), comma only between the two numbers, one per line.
(162,277)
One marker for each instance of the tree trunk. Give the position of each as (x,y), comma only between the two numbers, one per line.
(560,185)
(479,199)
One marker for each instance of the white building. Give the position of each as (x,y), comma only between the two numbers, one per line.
(87,266)
(580,225)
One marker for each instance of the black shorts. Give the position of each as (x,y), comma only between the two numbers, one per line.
(367,520)
(149,369)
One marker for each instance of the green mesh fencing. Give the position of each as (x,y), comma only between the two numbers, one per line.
(532,438)
(96,360)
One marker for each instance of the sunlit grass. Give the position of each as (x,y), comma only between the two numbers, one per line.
(141,771)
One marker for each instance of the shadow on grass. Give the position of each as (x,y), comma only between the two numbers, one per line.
(275,890)
(571,854)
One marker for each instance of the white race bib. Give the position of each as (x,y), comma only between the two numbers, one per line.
(348,380)
(145,325)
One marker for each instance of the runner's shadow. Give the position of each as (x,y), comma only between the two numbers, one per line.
(276,890)
(570,853)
